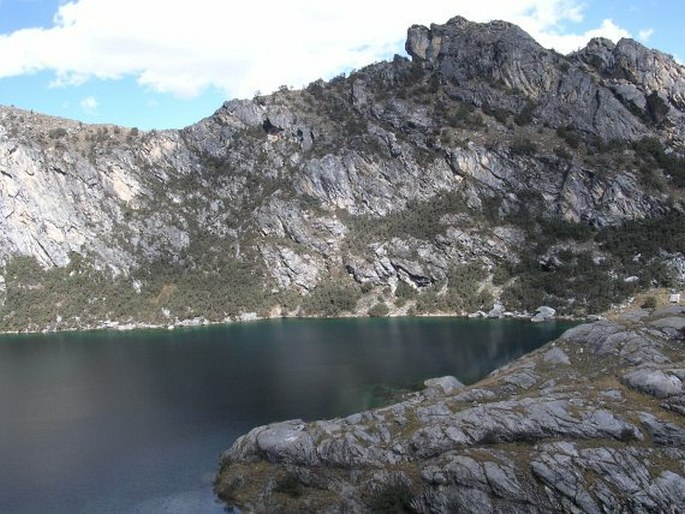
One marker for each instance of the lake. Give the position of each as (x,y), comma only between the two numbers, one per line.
(134,422)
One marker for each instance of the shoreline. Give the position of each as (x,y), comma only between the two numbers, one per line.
(129,326)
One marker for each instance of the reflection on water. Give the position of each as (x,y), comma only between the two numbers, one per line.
(134,422)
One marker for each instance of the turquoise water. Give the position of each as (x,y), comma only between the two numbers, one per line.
(134,422)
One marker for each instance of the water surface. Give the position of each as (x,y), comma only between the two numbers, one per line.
(134,422)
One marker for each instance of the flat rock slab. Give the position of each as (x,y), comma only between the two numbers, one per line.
(674,322)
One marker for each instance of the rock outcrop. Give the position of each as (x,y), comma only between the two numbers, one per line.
(592,422)
(404,173)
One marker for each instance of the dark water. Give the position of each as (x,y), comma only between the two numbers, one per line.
(135,422)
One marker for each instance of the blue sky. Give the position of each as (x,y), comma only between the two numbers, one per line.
(161,64)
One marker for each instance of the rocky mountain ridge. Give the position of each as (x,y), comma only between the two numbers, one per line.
(485,169)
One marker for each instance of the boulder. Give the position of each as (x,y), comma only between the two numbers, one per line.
(543,314)
(444,385)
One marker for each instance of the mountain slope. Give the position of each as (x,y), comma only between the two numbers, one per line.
(485,168)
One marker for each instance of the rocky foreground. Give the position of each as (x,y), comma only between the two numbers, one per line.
(592,422)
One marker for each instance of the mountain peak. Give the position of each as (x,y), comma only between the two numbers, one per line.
(460,37)
(400,173)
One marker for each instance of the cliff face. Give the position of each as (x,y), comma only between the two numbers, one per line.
(615,91)
(592,422)
(401,177)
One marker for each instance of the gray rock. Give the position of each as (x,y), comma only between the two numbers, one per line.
(654,382)
(634,316)
(556,356)
(497,311)
(446,385)
(671,310)
(671,322)
(524,379)
(543,314)
(663,432)
(287,442)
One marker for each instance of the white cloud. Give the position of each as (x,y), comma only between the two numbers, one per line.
(645,34)
(184,47)
(566,43)
(89,104)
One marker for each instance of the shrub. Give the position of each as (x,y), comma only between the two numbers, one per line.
(394,498)
(523,146)
(379,310)
(57,133)
(463,282)
(502,274)
(562,153)
(657,107)
(653,153)
(570,136)
(525,115)
(649,302)
(404,292)
(330,300)
(289,485)
(420,219)
(465,117)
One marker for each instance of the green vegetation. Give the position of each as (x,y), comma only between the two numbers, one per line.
(464,116)
(463,291)
(403,293)
(57,133)
(647,237)
(501,115)
(570,136)
(36,296)
(330,299)
(580,281)
(463,288)
(562,153)
(649,302)
(657,107)
(523,146)
(379,310)
(204,281)
(394,498)
(421,220)
(525,115)
(289,485)
(653,155)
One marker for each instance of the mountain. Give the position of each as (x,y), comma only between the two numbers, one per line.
(485,171)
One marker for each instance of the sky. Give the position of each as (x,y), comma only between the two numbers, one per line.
(167,64)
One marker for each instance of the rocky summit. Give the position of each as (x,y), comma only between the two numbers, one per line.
(485,174)
(593,422)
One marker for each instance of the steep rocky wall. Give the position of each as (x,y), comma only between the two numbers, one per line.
(69,187)
(398,174)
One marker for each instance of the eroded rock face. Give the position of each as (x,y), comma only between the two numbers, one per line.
(395,174)
(73,188)
(592,422)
